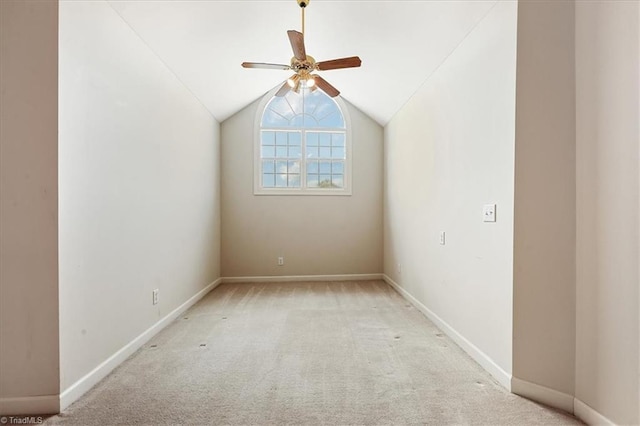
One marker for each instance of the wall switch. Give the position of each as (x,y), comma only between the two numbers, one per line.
(155,296)
(442,238)
(489,213)
(280,261)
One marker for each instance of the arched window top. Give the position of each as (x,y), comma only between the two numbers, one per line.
(303,110)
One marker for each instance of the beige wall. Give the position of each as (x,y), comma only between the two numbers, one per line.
(139,188)
(29,207)
(544,215)
(608,334)
(317,235)
(448,152)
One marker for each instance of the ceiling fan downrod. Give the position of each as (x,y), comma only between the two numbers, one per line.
(303,4)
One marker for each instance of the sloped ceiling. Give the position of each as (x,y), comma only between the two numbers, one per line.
(400,43)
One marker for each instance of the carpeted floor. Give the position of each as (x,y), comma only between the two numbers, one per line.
(303,353)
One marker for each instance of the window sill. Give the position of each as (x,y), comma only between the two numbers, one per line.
(306,192)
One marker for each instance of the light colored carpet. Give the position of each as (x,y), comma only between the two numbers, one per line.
(303,353)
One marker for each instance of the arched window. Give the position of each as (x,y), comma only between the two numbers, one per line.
(302,145)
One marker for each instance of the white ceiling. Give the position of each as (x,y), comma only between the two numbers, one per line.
(400,43)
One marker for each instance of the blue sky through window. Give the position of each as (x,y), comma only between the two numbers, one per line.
(305,109)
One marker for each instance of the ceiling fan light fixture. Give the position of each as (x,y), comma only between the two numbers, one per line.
(293,81)
(310,81)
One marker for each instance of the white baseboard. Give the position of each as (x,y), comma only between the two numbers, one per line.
(559,400)
(290,278)
(542,394)
(29,405)
(76,390)
(589,415)
(480,357)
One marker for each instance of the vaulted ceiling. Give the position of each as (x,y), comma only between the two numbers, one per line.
(400,43)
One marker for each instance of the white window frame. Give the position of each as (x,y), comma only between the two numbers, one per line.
(258,189)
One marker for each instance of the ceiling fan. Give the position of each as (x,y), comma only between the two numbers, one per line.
(304,65)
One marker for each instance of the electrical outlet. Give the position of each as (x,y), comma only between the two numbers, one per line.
(155,296)
(280,261)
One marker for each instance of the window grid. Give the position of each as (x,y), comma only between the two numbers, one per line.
(282,150)
(325,159)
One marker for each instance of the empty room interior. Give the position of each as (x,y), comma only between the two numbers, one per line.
(443,229)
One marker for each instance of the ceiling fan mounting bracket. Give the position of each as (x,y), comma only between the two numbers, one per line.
(303,3)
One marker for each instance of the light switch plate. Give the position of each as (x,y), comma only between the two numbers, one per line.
(489,213)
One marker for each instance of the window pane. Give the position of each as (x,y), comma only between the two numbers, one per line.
(268,151)
(268,180)
(325,152)
(294,167)
(312,167)
(337,181)
(325,167)
(281,167)
(294,181)
(271,119)
(281,152)
(312,152)
(268,167)
(281,138)
(337,139)
(268,138)
(312,139)
(312,181)
(333,120)
(295,152)
(337,167)
(337,152)
(297,121)
(324,181)
(281,181)
(295,100)
(323,109)
(281,106)
(325,139)
(310,121)
(295,139)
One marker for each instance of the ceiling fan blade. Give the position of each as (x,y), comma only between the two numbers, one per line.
(297,44)
(283,90)
(326,87)
(351,62)
(265,66)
